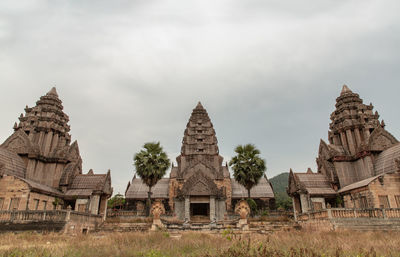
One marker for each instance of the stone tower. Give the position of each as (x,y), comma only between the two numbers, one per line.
(352,122)
(356,137)
(43,141)
(199,147)
(199,184)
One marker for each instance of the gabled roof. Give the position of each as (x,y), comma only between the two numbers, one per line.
(385,162)
(313,183)
(42,188)
(262,190)
(359,184)
(86,184)
(138,190)
(11,163)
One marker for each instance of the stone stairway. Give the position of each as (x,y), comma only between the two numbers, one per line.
(123,227)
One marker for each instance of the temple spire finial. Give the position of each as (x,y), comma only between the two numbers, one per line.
(53,91)
(199,106)
(345,90)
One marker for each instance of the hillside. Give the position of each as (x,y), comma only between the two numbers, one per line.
(279,184)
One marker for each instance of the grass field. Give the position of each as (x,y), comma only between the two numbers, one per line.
(198,244)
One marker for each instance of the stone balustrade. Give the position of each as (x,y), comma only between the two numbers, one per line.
(53,215)
(341,213)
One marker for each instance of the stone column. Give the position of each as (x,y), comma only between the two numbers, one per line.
(294,209)
(304,203)
(187,208)
(212,208)
(350,140)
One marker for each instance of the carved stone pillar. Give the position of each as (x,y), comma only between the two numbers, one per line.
(187,208)
(212,208)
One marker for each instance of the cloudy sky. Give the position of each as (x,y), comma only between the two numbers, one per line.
(129,72)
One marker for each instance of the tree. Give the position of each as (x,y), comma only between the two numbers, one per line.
(151,164)
(248,167)
(116,202)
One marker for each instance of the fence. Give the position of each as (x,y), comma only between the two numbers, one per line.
(350,213)
(51,215)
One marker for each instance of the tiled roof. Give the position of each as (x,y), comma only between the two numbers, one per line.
(358,184)
(262,190)
(384,163)
(138,190)
(84,181)
(79,192)
(42,188)
(315,183)
(12,163)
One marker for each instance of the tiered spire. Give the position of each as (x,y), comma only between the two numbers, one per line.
(352,121)
(199,137)
(46,124)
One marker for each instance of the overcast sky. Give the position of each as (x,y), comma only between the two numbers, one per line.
(129,72)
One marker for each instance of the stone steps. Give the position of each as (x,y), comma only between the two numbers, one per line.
(124,227)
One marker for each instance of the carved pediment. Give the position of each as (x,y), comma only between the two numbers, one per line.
(200,185)
(19,143)
(381,140)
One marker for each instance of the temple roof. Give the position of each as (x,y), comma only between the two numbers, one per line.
(385,162)
(138,190)
(87,184)
(313,183)
(38,187)
(262,190)
(358,184)
(11,163)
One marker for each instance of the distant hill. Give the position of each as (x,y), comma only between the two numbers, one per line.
(279,184)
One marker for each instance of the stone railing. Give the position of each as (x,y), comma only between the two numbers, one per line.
(340,213)
(51,215)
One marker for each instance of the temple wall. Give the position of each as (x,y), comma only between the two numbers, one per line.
(228,189)
(305,207)
(43,202)
(390,187)
(12,187)
(351,172)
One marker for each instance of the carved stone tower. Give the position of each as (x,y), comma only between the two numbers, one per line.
(356,137)
(352,122)
(43,141)
(199,184)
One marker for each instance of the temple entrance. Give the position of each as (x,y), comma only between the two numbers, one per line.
(200,209)
(200,212)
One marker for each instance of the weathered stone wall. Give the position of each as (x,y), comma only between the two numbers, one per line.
(12,187)
(388,186)
(226,182)
(45,201)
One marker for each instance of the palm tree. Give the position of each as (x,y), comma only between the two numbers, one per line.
(247,166)
(151,164)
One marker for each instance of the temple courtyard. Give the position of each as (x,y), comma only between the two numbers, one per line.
(294,243)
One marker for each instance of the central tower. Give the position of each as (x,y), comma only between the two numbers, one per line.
(199,184)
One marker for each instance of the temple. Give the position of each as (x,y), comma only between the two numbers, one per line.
(200,186)
(40,169)
(358,168)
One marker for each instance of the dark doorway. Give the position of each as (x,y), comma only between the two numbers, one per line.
(199,209)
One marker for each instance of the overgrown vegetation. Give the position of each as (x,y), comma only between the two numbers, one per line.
(224,244)
(116,202)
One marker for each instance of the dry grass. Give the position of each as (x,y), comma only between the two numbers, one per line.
(196,244)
